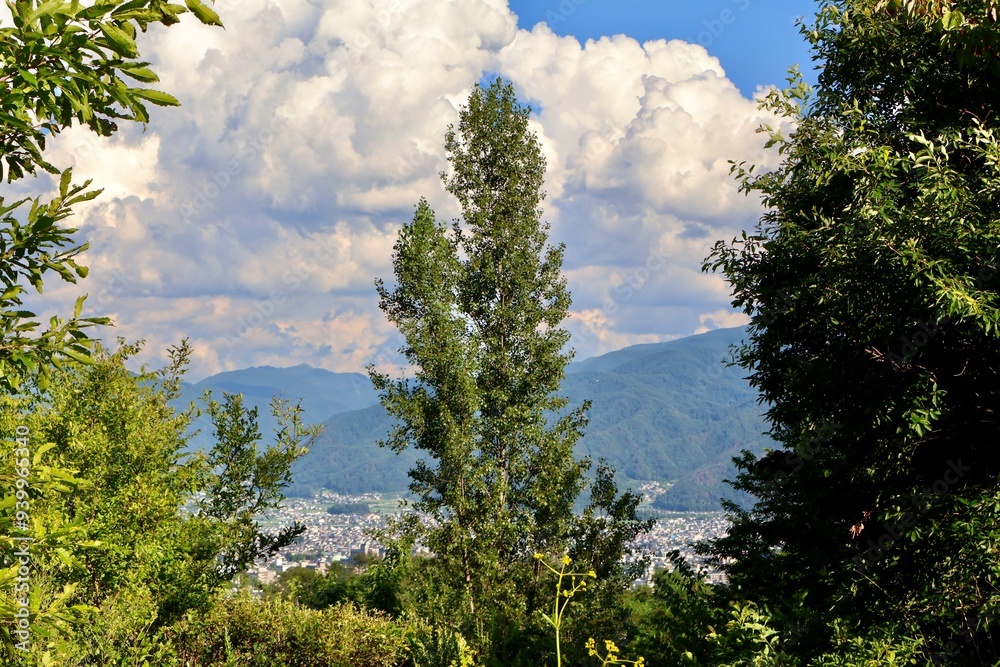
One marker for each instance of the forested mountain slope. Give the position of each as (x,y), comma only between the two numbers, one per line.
(669,412)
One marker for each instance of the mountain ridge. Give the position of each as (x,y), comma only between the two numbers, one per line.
(670,412)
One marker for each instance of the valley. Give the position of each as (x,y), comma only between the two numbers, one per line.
(671,413)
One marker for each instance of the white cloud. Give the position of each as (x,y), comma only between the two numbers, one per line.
(720,319)
(255,218)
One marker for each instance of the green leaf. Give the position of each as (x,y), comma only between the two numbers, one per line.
(65,557)
(952,20)
(119,41)
(81,357)
(11,293)
(203,12)
(40,451)
(28,76)
(95,11)
(122,11)
(157,97)
(46,9)
(64,182)
(143,74)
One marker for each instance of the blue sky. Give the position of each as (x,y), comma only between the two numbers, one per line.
(755,40)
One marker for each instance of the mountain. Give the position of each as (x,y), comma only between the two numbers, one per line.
(667,412)
(347,459)
(322,393)
(662,410)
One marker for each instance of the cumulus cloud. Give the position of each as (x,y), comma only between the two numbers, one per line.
(255,218)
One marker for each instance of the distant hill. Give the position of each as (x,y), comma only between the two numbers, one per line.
(663,410)
(668,412)
(322,393)
(346,458)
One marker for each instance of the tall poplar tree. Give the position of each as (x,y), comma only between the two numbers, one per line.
(480,306)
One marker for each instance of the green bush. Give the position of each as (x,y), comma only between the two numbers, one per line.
(241,631)
(438,647)
(672,618)
(119,634)
(880,648)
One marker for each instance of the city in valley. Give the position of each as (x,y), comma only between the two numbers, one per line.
(342,537)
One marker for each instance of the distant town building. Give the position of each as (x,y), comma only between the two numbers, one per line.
(342,537)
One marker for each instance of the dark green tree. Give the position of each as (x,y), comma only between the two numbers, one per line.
(480,308)
(673,616)
(871,281)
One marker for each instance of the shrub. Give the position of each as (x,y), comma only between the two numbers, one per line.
(242,631)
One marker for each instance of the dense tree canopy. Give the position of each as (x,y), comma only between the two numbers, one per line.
(872,285)
(152,522)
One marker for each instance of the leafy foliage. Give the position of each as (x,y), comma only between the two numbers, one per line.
(62,62)
(27,252)
(480,310)
(377,585)
(149,523)
(673,616)
(277,633)
(871,281)
(244,483)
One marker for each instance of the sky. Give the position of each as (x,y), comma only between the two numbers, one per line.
(756,41)
(254,219)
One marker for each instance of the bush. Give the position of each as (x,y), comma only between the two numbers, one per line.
(673,617)
(242,631)
(119,634)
